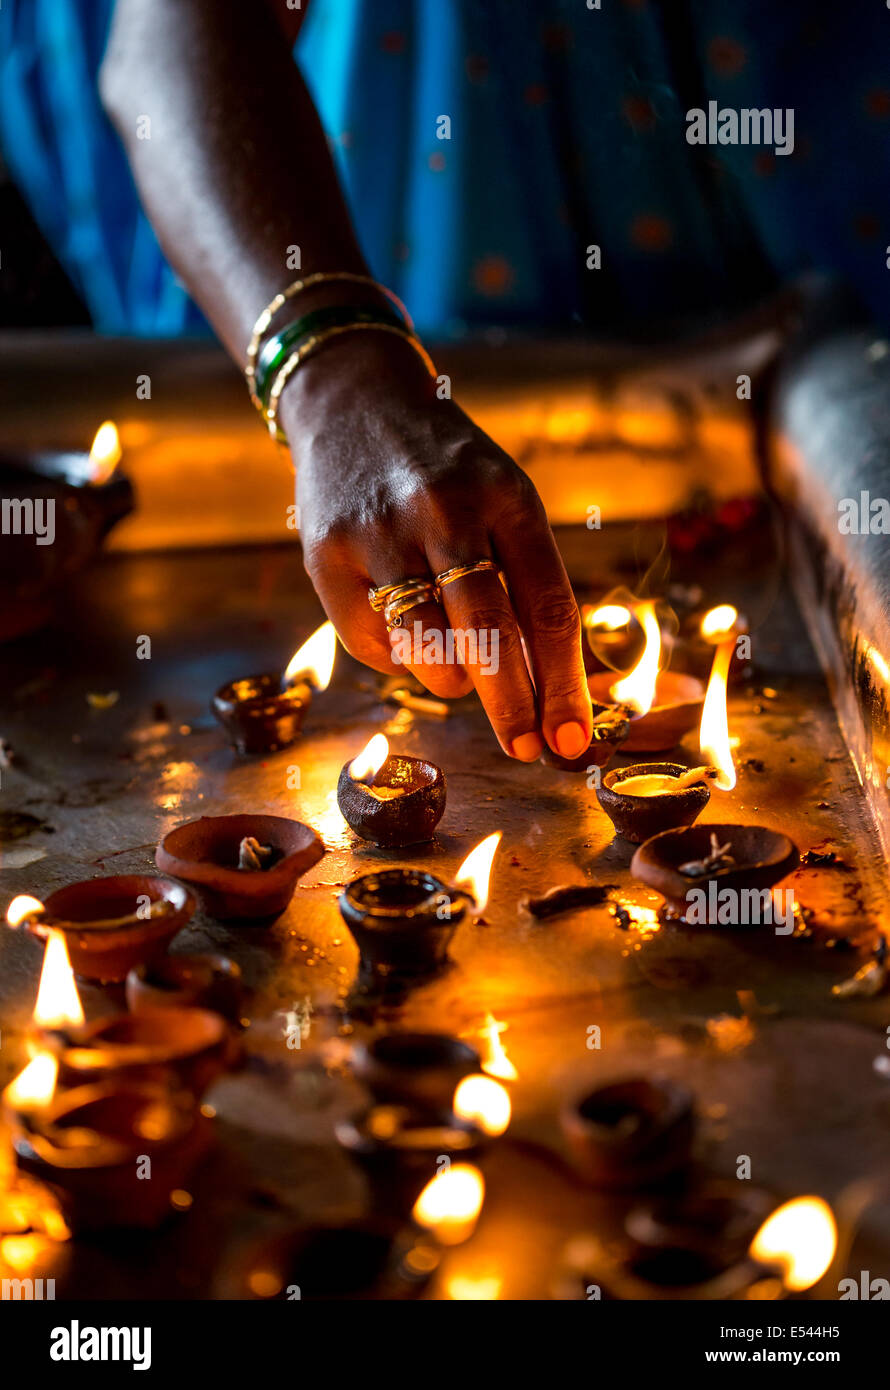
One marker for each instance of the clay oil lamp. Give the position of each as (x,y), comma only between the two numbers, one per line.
(714,869)
(244,868)
(611,726)
(204,982)
(195,1045)
(109,924)
(89,1145)
(667,703)
(403,920)
(353,1260)
(632,1133)
(390,799)
(415,1069)
(263,713)
(645,798)
(399,1149)
(716,1220)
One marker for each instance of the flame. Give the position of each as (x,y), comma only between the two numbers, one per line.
(22,907)
(719,620)
(314,661)
(484,1102)
(469,1288)
(370,760)
(475,872)
(105,454)
(713,739)
(611,617)
(496,1062)
(58,1002)
(33,1088)
(801,1237)
(638,689)
(450,1203)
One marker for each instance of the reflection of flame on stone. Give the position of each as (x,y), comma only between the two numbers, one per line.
(484,1102)
(800,1237)
(450,1204)
(494,1059)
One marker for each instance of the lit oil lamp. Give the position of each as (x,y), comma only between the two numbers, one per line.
(109,924)
(631,1133)
(193,1044)
(391,799)
(264,713)
(667,703)
(244,868)
(416,1069)
(400,1149)
(724,864)
(645,798)
(90,1145)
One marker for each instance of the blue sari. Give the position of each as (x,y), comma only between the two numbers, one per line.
(485,147)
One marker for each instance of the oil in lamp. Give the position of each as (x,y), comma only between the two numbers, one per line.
(645,798)
(391,799)
(667,703)
(264,713)
(109,924)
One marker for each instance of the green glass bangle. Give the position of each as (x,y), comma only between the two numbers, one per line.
(281,345)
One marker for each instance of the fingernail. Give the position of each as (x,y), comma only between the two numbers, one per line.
(527,747)
(571,740)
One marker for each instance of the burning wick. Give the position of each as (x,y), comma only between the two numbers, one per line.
(638,688)
(33,1089)
(714,733)
(105,454)
(496,1062)
(475,872)
(365,767)
(313,663)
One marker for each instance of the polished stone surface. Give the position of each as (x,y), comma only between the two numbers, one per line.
(782,1071)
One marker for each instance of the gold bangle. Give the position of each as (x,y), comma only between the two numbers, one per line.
(311,345)
(320,277)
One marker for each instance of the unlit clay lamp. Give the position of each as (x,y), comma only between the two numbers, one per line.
(89,1146)
(180,981)
(391,799)
(611,726)
(344,1262)
(717,1219)
(245,868)
(111,924)
(711,858)
(263,713)
(645,798)
(402,921)
(416,1069)
(195,1044)
(400,1148)
(631,1133)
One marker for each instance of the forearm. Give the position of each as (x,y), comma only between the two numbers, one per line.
(236,169)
